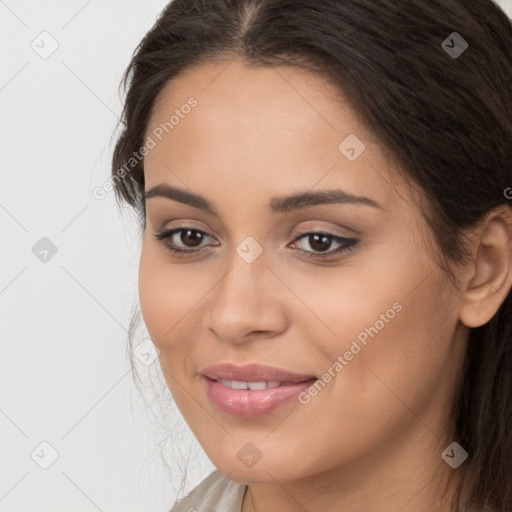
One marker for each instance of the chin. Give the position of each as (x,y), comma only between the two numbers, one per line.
(266,469)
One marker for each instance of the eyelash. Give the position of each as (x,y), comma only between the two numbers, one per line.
(349,243)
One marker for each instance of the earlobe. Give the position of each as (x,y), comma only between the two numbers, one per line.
(490,278)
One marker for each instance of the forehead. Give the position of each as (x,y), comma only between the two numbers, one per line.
(221,76)
(274,127)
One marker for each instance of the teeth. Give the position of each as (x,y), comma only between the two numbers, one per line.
(240,384)
(257,385)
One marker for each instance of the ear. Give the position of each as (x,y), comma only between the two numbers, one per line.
(490,275)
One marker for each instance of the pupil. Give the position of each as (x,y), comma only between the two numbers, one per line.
(324,241)
(196,240)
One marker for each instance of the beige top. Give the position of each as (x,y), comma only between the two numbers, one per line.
(215,493)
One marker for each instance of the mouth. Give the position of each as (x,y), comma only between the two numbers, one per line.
(253,390)
(262,384)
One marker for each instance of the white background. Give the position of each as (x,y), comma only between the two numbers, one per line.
(64,374)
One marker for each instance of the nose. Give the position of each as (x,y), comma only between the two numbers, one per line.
(247,303)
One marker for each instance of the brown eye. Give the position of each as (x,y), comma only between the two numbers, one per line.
(187,241)
(193,235)
(320,243)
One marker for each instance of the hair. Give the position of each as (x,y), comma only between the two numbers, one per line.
(446,121)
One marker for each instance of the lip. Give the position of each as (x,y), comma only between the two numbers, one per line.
(248,403)
(253,373)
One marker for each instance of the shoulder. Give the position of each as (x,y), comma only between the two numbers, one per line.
(215,492)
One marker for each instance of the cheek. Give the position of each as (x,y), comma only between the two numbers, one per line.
(151,292)
(165,300)
(173,298)
(405,356)
(164,296)
(396,318)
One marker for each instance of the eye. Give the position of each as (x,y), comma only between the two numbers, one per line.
(319,241)
(188,235)
(192,238)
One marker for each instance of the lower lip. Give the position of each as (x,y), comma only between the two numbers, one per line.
(248,403)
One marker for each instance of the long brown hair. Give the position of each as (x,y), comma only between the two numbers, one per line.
(445,118)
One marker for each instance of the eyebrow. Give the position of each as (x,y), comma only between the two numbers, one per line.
(282,204)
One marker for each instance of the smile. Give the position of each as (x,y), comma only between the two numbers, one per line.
(252,390)
(240,384)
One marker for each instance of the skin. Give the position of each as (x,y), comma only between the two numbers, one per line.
(372,439)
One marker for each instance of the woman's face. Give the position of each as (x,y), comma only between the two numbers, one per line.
(344,292)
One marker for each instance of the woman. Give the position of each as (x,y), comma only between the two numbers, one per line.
(324,190)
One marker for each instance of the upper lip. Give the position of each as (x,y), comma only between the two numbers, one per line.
(252,373)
